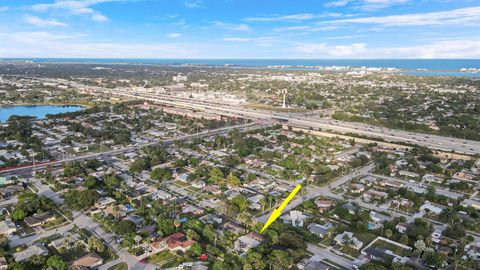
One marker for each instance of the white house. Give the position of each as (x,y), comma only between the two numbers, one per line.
(295,218)
(246,242)
(161,195)
(7,227)
(37,249)
(430,208)
(347,238)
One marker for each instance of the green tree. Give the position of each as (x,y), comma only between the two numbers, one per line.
(388,233)
(279,260)
(81,199)
(112,181)
(372,266)
(161,174)
(241,202)
(233,180)
(165,225)
(196,249)
(124,227)
(139,165)
(57,263)
(256,260)
(209,233)
(18,214)
(404,240)
(216,175)
(90,182)
(37,260)
(96,244)
(16,266)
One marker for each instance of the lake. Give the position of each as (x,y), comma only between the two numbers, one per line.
(39,111)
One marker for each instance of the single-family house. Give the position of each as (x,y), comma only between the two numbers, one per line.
(7,227)
(324,204)
(320,230)
(294,218)
(173,242)
(37,249)
(347,238)
(37,219)
(246,242)
(89,261)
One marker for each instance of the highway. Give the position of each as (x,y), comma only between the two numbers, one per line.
(441,143)
(446,144)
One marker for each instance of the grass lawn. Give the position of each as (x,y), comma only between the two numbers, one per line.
(365,237)
(327,240)
(334,264)
(161,258)
(73,254)
(349,251)
(120,266)
(180,184)
(394,248)
(192,189)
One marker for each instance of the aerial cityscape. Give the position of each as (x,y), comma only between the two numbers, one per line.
(239,135)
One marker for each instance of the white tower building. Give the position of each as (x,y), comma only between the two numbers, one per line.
(284,92)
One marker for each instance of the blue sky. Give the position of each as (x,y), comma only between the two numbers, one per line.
(310,29)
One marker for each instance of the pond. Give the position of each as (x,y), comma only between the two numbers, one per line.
(39,111)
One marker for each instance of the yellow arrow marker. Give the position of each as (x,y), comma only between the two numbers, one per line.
(277,212)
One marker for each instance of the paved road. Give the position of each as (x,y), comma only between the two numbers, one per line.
(432,141)
(314,191)
(12,200)
(321,254)
(27,170)
(446,144)
(83,221)
(438,190)
(17,241)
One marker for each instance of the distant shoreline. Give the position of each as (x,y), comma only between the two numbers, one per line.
(404,64)
(2,105)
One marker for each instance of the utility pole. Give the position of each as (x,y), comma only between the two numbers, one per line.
(33,159)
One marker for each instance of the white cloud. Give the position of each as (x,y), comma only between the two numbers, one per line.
(461,16)
(76,7)
(182,23)
(174,35)
(194,4)
(366,4)
(39,22)
(292,28)
(54,44)
(61,44)
(292,17)
(379,4)
(306,28)
(442,49)
(97,17)
(265,41)
(237,39)
(322,49)
(231,26)
(339,3)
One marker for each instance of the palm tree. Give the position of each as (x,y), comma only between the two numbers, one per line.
(388,233)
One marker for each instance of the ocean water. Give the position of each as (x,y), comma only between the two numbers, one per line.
(39,111)
(443,73)
(410,64)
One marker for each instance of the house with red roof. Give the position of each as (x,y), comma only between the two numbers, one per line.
(174,242)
